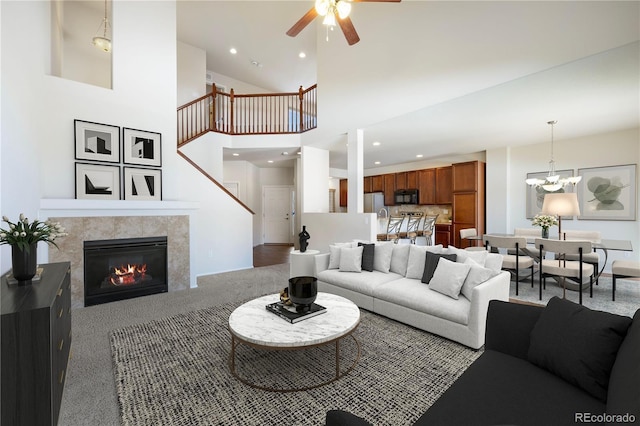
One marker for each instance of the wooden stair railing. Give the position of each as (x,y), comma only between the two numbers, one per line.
(254,114)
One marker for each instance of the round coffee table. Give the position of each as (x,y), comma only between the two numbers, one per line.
(251,324)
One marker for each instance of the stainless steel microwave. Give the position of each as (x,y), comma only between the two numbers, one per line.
(406,196)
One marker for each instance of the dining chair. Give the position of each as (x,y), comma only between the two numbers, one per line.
(578,271)
(593,236)
(466,234)
(515,258)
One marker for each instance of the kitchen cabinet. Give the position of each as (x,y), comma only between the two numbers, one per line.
(412,179)
(377,183)
(36,336)
(343,192)
(443,234)
(444,180)
(366,183)
(401,180)
(427,186)
(468,198)
(389,187)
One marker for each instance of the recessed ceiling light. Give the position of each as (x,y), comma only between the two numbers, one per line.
(256,64)
(299,153)
(302,55)
(376,162)
(376,143)
(235,154)
(270,161)
(419,155)
(285,153)
(233,51)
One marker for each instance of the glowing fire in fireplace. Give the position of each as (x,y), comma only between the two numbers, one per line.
(130,274)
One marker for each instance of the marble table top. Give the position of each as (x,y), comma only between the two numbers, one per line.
(252,323)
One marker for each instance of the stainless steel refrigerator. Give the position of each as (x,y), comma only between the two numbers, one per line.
(374,202)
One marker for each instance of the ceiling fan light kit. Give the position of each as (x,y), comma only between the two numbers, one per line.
(329,9)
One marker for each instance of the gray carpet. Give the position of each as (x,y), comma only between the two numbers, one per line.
(174,371)
(626,303)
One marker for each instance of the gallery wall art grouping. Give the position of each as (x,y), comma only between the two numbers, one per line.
(114,164)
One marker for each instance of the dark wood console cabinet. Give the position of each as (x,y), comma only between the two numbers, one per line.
(36,337)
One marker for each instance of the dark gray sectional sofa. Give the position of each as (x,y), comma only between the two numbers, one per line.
(560,365)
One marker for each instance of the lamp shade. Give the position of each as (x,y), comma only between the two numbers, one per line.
(561,204)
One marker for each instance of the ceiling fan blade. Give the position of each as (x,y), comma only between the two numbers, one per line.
(349,30)
(303,22)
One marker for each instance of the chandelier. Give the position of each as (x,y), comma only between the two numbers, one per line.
(553,182)
(102,42)
(330,8)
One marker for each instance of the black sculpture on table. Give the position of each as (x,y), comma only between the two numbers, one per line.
(304,236)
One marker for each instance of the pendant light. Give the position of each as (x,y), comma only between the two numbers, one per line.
(103,42)
(553,182)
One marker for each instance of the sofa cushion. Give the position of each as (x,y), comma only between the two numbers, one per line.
(413,294)
(400,259)
(499,389)
(431,263)
(334,254)
(477,275)
(382,257)
(368,252)
(449,277)
(578,344)
(364,282)
(479,256)
(493,262)
(415,266)
(351,259)
(624,393)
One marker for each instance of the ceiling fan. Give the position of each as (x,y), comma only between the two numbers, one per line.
(332,10)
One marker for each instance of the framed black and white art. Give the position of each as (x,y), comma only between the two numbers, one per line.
(97,182)
(142,148)
(97,142)
(142,184)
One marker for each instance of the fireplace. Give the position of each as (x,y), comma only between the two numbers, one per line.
(124,268)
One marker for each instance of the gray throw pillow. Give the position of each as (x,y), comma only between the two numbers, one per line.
(368,253)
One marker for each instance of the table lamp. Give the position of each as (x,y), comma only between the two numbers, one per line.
(561,204)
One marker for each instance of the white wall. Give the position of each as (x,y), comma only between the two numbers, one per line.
(192,66)
(315,180)
(507,170)
(329,228)
(38,112)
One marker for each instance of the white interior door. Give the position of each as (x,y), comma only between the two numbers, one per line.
(277,208)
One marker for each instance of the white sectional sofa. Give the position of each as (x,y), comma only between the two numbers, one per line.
(449,298)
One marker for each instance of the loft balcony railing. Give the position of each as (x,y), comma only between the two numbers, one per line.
(255,114)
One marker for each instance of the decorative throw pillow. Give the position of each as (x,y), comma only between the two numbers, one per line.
(382,257)
(431,263)
(494,262)
(334,254)
(578,344)
(477,275)
(399,259)
(367,256)
(351,259)
(449,277)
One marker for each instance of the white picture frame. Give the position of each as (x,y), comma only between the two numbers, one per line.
(142,184)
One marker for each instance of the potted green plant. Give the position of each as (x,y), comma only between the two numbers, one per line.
(23,237)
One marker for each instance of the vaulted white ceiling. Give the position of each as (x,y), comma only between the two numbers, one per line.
(436,78)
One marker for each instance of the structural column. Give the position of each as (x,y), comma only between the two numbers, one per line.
(355,171)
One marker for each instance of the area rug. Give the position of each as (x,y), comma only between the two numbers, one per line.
(626,303)
(175,371)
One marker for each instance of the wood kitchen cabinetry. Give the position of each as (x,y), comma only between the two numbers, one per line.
(377,183)
(389,187)
(443,234)
(468,199)
(36,336)
(344,184)
(427,186)
(444,185)
(407,180)
(366,183)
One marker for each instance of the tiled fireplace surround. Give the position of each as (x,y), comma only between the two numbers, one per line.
(81,229)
